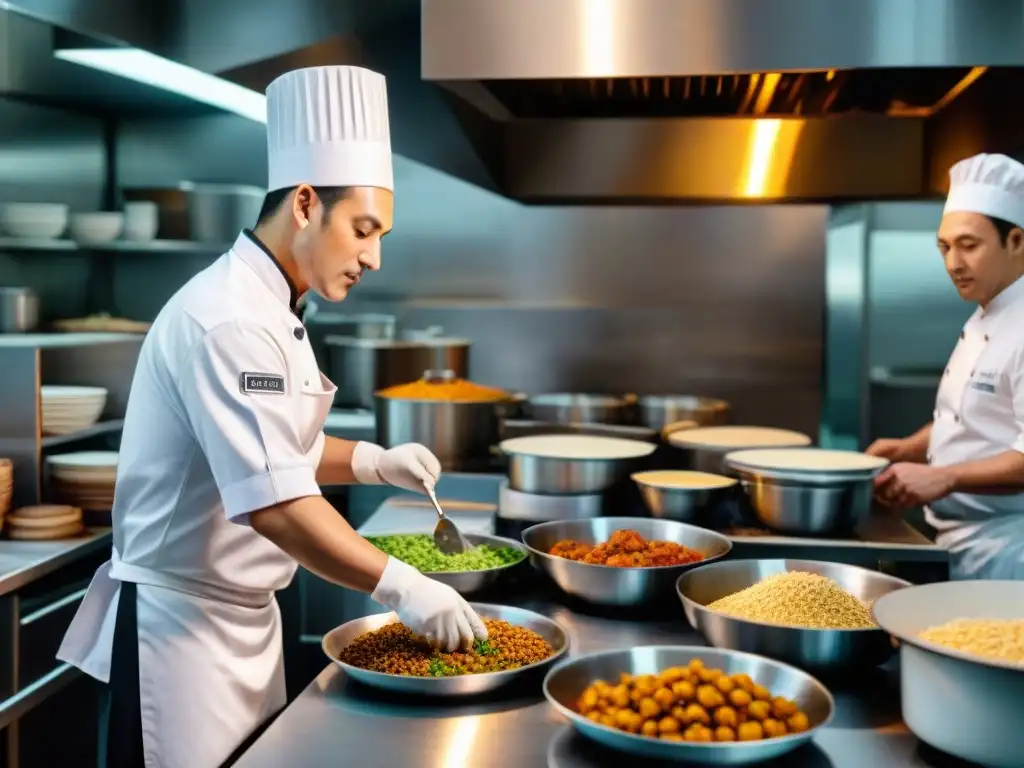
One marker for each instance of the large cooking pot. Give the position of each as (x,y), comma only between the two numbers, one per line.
(360,367)
(572,408)
(659,411)
(460,433)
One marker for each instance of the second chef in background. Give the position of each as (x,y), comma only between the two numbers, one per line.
(967,466)
(223,453)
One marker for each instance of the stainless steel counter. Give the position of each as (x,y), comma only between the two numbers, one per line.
(22,562)
(338,723)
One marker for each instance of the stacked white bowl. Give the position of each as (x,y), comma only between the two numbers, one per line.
(71,409)
(34,220)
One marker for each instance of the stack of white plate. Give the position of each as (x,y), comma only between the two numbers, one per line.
(71,409)
(85,480)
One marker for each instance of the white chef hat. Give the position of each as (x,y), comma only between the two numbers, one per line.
(988,184)
(328,126)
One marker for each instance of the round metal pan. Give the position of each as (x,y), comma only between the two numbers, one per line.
(461,685)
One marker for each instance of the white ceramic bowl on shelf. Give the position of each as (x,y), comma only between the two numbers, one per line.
(44,221)
(96,227)
(71,409)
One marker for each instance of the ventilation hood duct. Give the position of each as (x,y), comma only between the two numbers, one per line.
(727,100)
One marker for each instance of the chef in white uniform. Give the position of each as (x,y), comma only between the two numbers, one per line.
(967,466)
(223,453)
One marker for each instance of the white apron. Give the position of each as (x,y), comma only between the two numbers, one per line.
(191,467)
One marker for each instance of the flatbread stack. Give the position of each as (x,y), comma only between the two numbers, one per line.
(6,486)
(46,522)
(101,323)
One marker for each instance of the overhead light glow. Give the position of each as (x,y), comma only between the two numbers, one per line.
(158,72)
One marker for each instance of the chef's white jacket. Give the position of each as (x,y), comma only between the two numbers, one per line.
(979,413)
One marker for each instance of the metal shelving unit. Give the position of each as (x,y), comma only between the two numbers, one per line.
(114,246)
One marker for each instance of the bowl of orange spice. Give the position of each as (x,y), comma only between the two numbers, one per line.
(457,419)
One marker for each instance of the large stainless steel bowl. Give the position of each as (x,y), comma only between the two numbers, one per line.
(962,704)
(605,585)
(805,503)
(571,408)
(659,411)
(531,472)
(461,685)
(564,684)
(468,582)
(710,457)
(678,503)
(829,650)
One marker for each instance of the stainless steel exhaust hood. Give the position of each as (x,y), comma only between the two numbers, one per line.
(728,100)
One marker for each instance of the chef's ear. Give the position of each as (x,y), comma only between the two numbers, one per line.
(1015,242)
(302,205)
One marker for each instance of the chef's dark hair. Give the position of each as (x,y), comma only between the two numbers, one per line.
(274,200)
(1003,228)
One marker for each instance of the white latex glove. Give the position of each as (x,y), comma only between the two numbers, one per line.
(411,466)
(428,607)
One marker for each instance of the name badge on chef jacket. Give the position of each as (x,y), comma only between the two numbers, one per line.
(261,384)
(985,381)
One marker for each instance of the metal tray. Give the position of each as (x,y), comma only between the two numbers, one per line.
(468,582)
(564,684)
(462,685)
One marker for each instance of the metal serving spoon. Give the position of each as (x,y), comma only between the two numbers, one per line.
(447,536)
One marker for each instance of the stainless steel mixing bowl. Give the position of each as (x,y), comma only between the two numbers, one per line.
(959,703)
(468,582)
(556,475)
(605,585)
(806,503)
(460,685)
(564,684)
(682,504)
(829,650)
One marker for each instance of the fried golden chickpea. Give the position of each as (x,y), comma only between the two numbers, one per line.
(798,723)
(672,737)
(608,720)
(679,713)
(709,675)
(636,722)
(695,665)
(648,708)
(594,715)
(724,684)
(739,698)
(783,708)
(743,681)
(726,716)
(684,690)
(704,734)
(668,724)
(646,683)
(773,728)
(665,698)
(695,713)
(649,728)
(760,710)
(623,718)
(588,701)
(761,693)
(724,733)
(671,675)
(750,731)
(619,696)
(625,678)
(710,697)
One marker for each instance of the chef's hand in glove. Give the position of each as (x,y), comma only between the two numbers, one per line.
(428,607)
(411,466)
